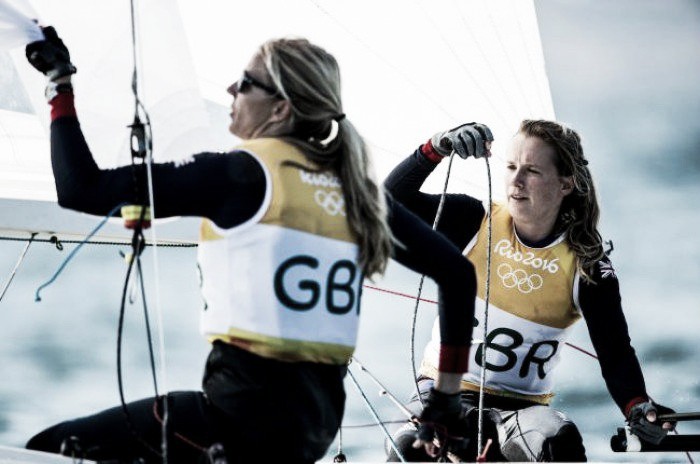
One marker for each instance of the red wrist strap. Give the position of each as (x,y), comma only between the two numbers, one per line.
(429,152)
(62,105)
(454,358)
(632,402)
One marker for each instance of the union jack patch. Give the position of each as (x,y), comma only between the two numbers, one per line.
(607,270)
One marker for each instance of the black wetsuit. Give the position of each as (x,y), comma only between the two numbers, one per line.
(249,402)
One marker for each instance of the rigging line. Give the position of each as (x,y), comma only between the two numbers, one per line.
(340,456)
(37,297)
(149,161)
(438,213)
(159,307)
(120,332)
(53,240)
(19,263)
(178,435)
(384,391)
(413,340)
(392,66)
(687,455)
(340,441)
(376,416)
(454,53)
(581,350)
(392,292)
(139,240)
(134,281)
(372,424)
(146,318)
(482,379)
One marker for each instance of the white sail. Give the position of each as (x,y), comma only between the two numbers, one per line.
(409,69)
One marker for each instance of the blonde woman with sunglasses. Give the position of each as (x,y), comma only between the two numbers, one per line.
(292,223)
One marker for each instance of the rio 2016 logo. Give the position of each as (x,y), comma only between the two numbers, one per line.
(505,249)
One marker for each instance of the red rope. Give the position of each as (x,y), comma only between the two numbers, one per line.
(581,350)
(482,456)
(181,437)
(392,292)
(413,297)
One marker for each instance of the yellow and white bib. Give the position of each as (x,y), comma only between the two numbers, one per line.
(532,304)
(285,284)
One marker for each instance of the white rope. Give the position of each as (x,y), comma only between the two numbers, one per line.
(482,379)
(340,442)
(154,241)
(19,263)
(159,310)
(438,213)
(385,391)
(376,417)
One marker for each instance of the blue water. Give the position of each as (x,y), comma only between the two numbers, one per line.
(58,356)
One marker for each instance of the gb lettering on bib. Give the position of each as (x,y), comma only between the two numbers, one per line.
(287,282)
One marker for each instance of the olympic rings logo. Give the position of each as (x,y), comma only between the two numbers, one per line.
(332,202)
(519,278)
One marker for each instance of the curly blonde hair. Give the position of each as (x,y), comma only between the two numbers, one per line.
(579,212)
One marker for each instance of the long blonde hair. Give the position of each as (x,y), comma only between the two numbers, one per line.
(308,77)
(579,211)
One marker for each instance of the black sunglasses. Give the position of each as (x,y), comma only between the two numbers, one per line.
(247,81)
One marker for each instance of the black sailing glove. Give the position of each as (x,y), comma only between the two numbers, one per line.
(471,139)
(643,422)
(443,418)
(50,56)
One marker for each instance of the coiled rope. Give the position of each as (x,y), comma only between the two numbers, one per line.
(482,379)
(436,221)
